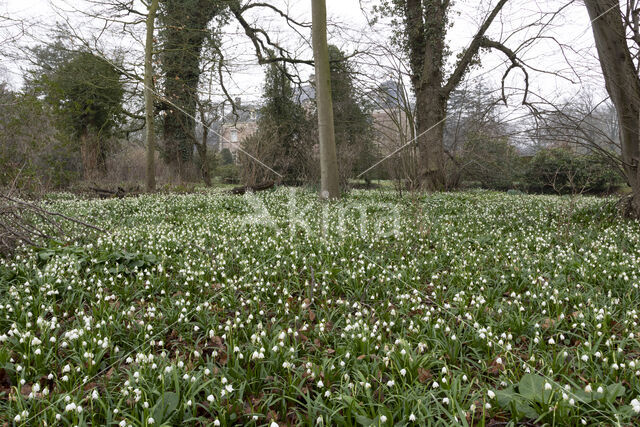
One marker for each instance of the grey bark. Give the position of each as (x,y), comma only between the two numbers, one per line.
(622,83)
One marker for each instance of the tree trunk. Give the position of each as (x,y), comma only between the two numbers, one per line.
(431,109)
(622,83)
(426,31)
(202,153)
(185,29)
(149,97)
(329,188)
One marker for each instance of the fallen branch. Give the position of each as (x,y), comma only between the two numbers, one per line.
(252,189)
(24,222)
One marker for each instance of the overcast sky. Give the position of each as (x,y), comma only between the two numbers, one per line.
(351,32)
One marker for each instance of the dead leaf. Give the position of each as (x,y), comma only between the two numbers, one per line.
(547,323)
(90,386)
(424,375)
(26,389)
(110,372)
(495,368)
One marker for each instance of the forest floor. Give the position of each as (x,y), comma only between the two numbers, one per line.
(471,308)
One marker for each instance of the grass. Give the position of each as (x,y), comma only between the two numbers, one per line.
(207,309)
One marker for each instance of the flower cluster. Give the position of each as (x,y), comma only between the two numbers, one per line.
(448,306)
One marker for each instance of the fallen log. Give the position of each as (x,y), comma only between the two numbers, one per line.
(252,188)
(104,193)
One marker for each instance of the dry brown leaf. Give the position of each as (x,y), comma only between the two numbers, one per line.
(424,375)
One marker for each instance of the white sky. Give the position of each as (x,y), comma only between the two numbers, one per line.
(572,29)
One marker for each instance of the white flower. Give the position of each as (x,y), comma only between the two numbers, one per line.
(216,422)
(320,384)
(547,386)
(210,398)
(383,419)
(403,372)
(412,417)
(274,424)
(491,394)
(150,420)
(390,383)
(588,388)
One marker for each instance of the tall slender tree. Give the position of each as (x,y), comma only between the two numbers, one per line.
(149,97)
(329,186)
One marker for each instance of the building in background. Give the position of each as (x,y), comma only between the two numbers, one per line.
(238,126)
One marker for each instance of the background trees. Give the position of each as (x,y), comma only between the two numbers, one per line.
(34,155)
(285,135)
(423,36)
(202,47)
(86,95)
(352,119)
(184,28)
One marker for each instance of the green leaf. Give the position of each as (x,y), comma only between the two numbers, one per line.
(165,406)
(506,396)
(364,421)
(582,396)
(508,399)
(614,391)
(531,387)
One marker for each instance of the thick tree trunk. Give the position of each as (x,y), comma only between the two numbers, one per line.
(329,188)
(622,82)
(149,97)
(431,111)
(426,27)
(426,24)
(184,34)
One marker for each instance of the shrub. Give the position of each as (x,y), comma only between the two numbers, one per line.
(559,170)
(229,173)
(488,161)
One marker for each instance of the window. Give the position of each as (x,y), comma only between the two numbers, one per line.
(234,135)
